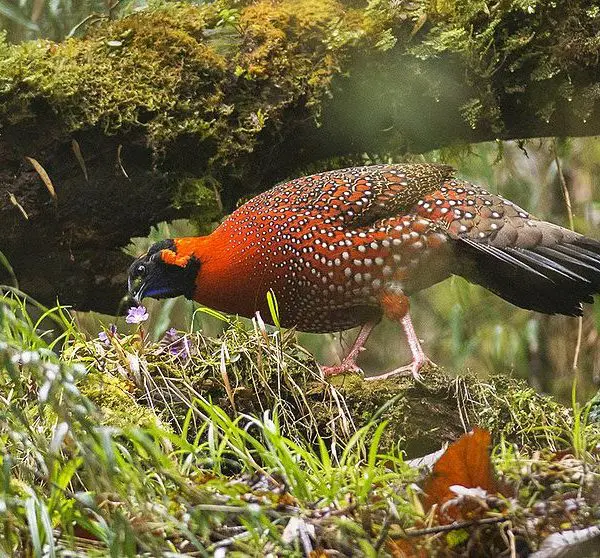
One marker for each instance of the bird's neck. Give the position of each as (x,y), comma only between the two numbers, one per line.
(223,279)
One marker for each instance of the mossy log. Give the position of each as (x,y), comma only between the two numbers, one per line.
(250,373)
(180,111)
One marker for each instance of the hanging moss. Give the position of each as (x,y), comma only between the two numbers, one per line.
(517,46)
(212,83)
(200,193)
(172,67)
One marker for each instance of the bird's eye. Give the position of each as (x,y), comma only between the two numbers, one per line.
(141,269)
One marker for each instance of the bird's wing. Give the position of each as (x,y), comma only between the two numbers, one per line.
(359,196)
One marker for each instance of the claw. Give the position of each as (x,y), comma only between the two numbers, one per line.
(349,363)
(410,369)
(343,368)
(419,357)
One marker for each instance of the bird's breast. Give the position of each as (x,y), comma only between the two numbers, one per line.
(325,276)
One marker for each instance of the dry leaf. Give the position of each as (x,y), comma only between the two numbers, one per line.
(462,477)
(79,157)
(44,176)
(14,201)
(584,542)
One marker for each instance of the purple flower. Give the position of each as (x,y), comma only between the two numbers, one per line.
(137,315)
(105,336)
(176,344)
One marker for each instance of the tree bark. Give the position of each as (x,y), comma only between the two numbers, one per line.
(143,119)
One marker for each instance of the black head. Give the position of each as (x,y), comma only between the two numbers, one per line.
(163,273)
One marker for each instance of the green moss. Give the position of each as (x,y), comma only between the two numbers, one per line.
(422,414)
(113,398)
(139,69)
(518,46)
(217,78)
(207,79)
(514,410)
(169,70)
(248,371)
(202,193)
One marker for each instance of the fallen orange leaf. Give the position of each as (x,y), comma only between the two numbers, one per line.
(466,463)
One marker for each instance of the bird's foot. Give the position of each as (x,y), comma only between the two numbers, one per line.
(345,367)
(412,369)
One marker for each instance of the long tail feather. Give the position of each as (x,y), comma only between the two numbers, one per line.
(554,279)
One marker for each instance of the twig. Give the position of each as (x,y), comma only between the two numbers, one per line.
(578,344)
(225,376)
(567,197)
(563,183)
(230,541)
(383,534)
(513,544)
(305,539)
(453,527)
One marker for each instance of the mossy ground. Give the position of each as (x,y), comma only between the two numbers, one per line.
(250,371)
(120,446)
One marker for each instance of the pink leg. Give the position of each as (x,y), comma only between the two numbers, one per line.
(419,357)
(349,362)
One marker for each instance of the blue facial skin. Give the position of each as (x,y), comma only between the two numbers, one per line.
(158,293)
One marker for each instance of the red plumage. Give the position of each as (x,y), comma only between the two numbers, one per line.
(342,248)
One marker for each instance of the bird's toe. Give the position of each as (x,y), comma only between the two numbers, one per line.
(343,368)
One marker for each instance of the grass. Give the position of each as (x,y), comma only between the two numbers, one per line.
(173,471)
